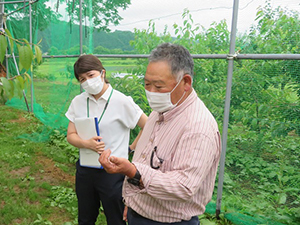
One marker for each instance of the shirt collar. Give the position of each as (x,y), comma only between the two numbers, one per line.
(105,95)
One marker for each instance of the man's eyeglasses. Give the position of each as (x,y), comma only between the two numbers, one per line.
(159,159)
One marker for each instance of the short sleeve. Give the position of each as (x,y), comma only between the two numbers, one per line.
(132,112)
(70,114)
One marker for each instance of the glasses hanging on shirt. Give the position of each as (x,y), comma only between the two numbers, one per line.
(158,160)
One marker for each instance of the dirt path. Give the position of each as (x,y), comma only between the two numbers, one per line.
(50,173)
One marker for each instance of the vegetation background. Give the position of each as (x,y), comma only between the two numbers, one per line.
(261,182)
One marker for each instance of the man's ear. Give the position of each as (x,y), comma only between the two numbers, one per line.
(187,79)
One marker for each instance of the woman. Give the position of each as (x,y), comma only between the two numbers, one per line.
(116,114)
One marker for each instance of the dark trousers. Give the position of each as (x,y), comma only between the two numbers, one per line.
(94,186)
(136,219)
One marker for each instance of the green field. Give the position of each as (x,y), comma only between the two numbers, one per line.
(61,69)
(55,85)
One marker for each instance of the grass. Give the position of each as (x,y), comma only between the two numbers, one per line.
(37,179)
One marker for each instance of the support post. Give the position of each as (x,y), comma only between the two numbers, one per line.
(30,40)
(230,58)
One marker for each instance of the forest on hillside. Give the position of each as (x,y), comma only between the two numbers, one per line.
(60,36)
(102,42)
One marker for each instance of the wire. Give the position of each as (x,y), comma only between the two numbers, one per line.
(196,10)
(32,2)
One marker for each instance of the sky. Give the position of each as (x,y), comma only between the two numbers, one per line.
(204,13)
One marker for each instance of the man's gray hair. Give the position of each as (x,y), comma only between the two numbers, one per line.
(178,57)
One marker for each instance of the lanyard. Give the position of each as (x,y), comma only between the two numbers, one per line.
(88,106)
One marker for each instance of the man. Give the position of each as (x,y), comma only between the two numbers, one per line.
(172,174)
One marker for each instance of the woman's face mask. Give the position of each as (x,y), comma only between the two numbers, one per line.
(161,102)
(93,85)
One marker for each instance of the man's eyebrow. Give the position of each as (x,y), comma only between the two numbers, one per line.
(155,81)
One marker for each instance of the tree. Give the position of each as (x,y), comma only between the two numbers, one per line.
(14,86)
(42,13)
(266,81)
(101,12)
(277,32)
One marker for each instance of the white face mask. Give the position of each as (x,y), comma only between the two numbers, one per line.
(94,85)
(161,102)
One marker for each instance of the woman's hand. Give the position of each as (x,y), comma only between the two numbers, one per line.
(95,144)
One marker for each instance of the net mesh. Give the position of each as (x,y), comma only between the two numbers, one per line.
(261,181)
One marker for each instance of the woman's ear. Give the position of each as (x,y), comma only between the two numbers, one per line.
(187,79)
(103,73)
(104,76)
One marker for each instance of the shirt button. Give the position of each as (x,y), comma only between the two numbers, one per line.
(143,156)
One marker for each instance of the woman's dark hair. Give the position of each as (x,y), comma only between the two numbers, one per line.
(87,63)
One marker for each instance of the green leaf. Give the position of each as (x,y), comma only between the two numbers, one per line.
(282,198)
(18,88)
(38,54)
(39,42)
(26,56)
(27,79)
(8,87)
(11,41)
(254,123)
(3,47)
(21,82)
(25,41)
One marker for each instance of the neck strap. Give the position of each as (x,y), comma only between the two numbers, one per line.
(88,106)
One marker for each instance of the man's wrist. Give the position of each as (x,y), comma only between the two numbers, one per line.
(136,179)
(131,173)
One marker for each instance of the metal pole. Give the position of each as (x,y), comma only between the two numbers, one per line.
(23,7)
(80,32)
(1,13)
(30,40)
(13,2)
(195,56)
(2,29)
(269,56)
(80,25)
(2,25)
(227,105)
(18,72)
(91,26)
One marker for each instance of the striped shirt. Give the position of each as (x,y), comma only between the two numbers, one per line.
(188,147)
